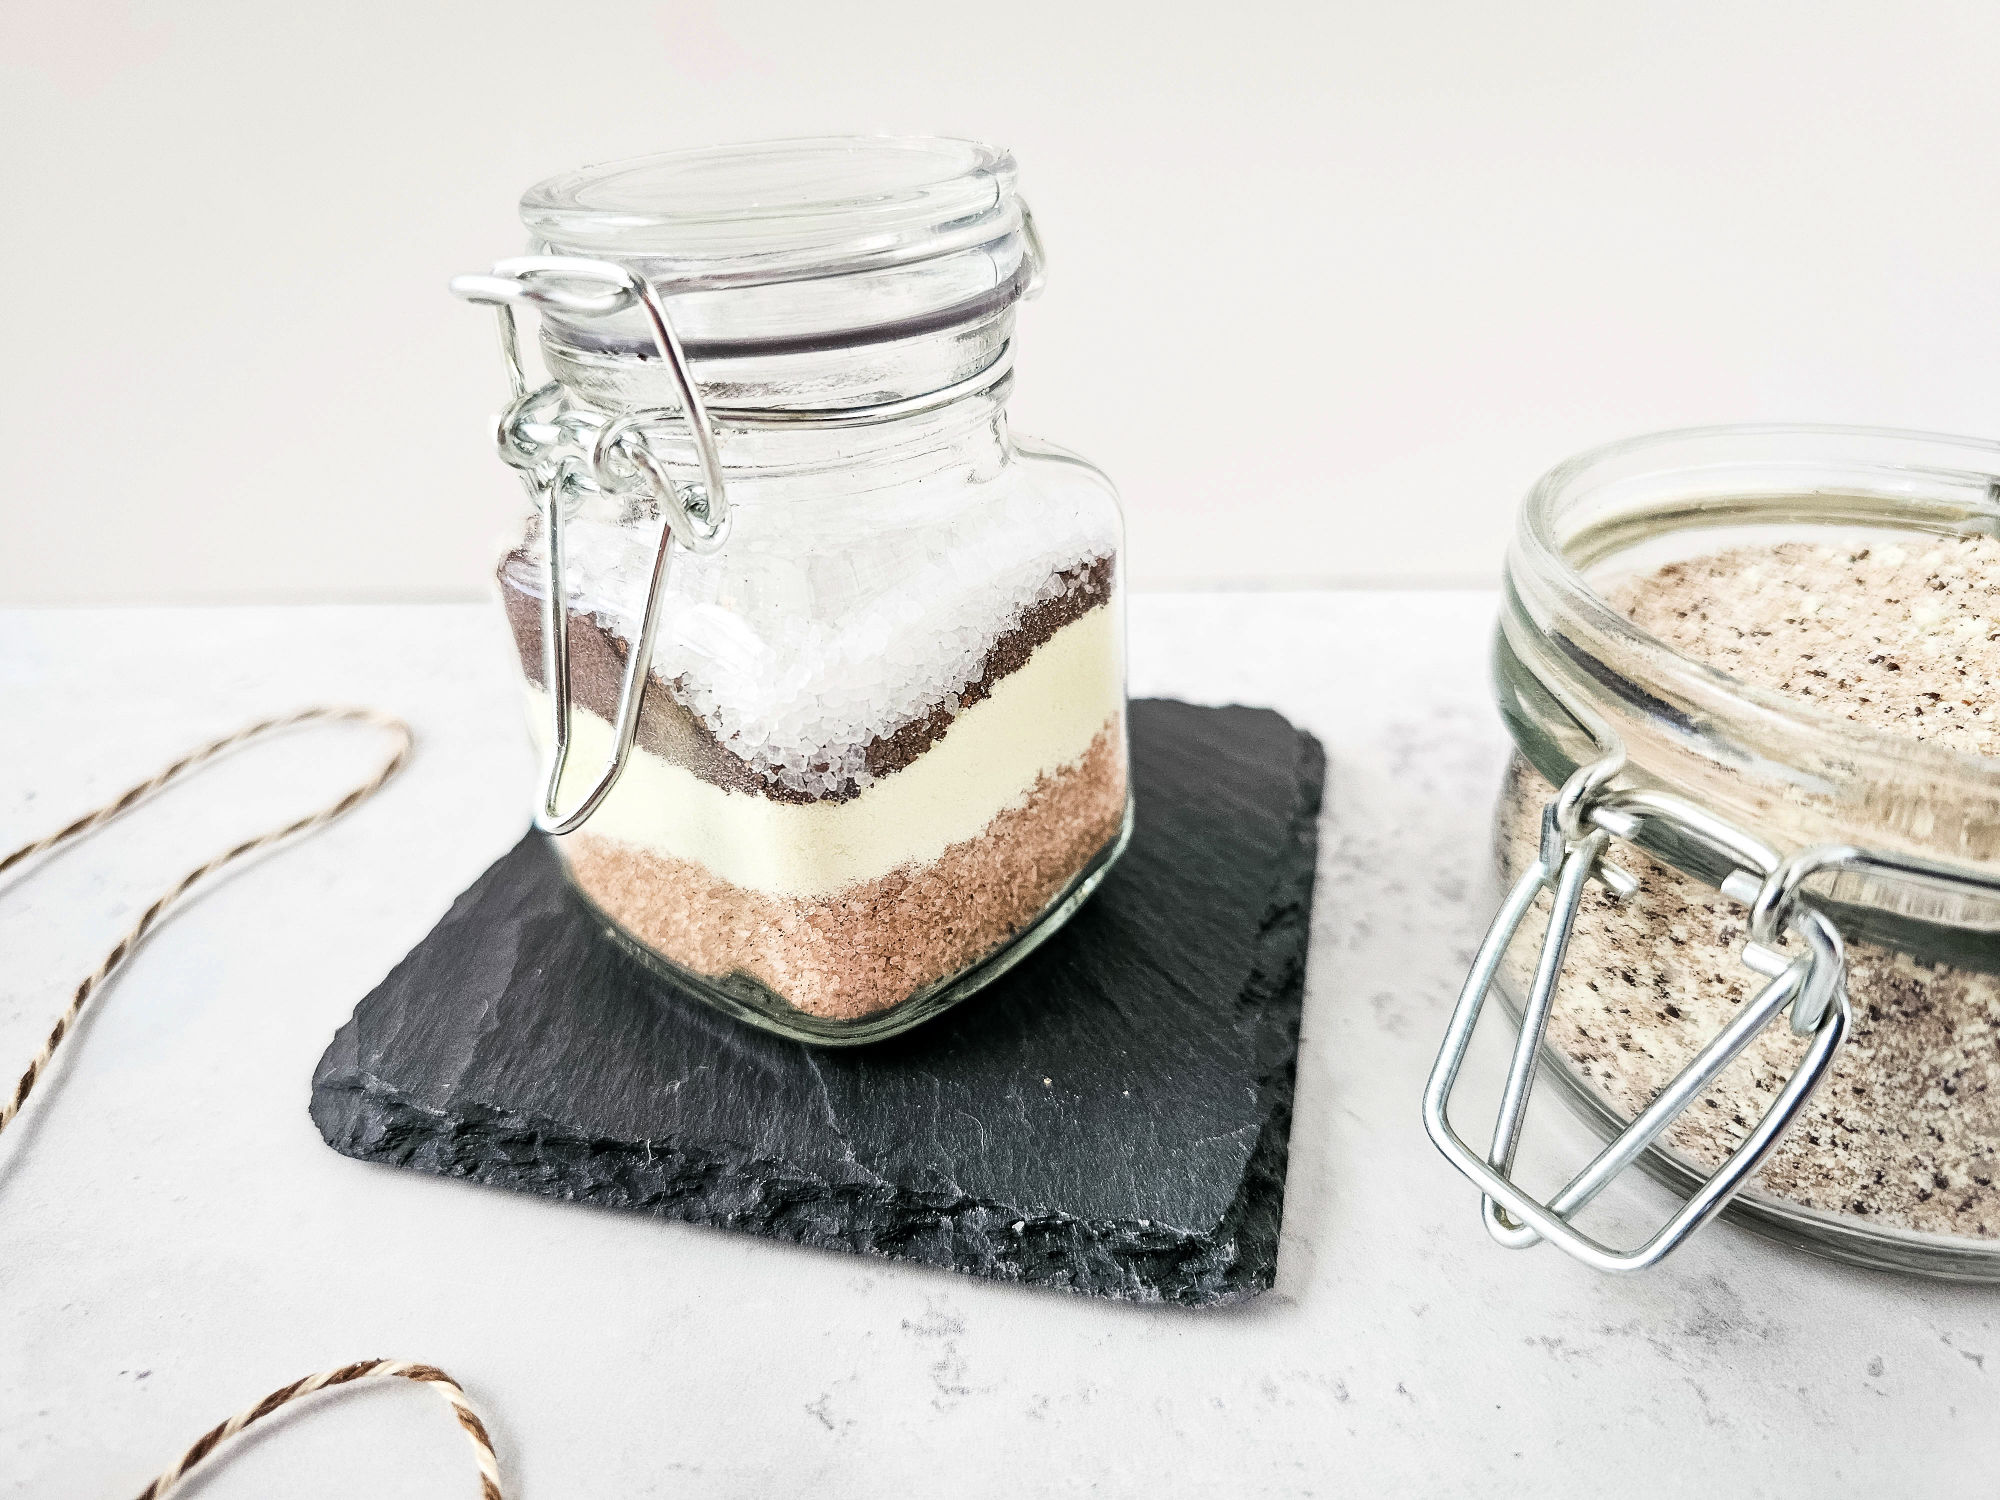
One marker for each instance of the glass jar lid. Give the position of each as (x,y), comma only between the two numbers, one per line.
(795,246)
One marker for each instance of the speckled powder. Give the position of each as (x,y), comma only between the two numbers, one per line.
(1902,638)
(1906,1128)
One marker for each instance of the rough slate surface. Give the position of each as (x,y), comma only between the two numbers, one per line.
(1110,1117)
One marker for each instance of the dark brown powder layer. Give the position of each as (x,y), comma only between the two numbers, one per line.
(670,730)
(878,943)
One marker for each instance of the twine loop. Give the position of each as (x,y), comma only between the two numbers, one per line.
(367,1369)
(124,801)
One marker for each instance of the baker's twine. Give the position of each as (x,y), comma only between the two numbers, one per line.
(122,949)
(367,1369)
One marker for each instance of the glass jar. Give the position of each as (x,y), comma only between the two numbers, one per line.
(1722,853)
(827,661)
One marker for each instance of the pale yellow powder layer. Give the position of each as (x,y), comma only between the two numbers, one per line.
(1038,719)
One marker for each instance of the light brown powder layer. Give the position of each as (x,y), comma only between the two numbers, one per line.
(1906,1128)
(854,954)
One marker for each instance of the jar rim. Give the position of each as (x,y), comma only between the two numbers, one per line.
(780,210)
(1577,678)
(1541,550)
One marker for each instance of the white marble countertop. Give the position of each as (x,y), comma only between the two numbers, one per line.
(175,1239)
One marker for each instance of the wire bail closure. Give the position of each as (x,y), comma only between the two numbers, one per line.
(1577,828)
(555,449)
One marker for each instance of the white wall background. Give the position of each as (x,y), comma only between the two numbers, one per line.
(1422,250)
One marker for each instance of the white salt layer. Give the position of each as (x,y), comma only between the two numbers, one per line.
(797,646)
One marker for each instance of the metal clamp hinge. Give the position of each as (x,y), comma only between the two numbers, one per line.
(551,448)
(1577,829)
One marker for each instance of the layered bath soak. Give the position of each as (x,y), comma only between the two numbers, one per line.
(1906,1129)
(843,810)
(879,748)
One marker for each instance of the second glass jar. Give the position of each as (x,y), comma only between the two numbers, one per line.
(1891,1161)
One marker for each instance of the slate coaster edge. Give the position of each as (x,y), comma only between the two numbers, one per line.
(361,1116)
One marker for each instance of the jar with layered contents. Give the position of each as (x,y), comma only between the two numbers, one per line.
(1752,839)
(827,662)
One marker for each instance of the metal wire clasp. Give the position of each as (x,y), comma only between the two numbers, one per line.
(551,448)
(1577,828)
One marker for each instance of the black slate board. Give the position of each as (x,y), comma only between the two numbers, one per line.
(1110,1117)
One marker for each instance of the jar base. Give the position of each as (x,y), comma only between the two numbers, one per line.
(1847,1238)
(753,1002)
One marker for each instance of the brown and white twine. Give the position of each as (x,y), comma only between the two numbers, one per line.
(367,1369)
(96,817)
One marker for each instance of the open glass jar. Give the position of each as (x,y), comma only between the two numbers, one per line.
(1721,853)
(828,663)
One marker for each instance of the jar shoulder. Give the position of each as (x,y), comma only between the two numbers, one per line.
(1050,487)
(1062,468)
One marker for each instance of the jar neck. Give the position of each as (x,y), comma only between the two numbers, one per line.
(964,436)
(841,376)
(856,416)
